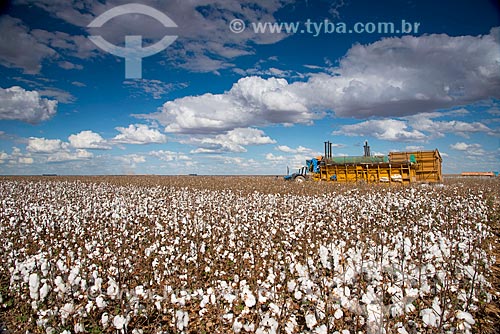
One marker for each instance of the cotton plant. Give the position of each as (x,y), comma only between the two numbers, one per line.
(244,255)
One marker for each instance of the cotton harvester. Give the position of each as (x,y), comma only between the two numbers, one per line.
(397,167)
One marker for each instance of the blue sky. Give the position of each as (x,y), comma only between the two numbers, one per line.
(217,101)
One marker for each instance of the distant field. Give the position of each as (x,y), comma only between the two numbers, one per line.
(197,254)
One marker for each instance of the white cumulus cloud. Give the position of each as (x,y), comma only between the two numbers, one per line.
(3,157)
(17,103)
(42,145)
(132,159)
(169,155)
(272,157)
(63,156)
(408,75)
(232,141)
(251,101)
(55,150)
(300,149)
(468,149)
(424,122)
(386,129)
(88,140)
(139,134)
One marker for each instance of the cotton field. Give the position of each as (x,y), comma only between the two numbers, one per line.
(245,255)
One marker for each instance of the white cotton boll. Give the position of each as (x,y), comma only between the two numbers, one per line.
(182,319)
(466,316)
(291,285)
(60,286)
(321,330)
(435,306)
(393,289)
(347,291)
(249,327)
(349,275)
(100,302)
(119,322)
(374,313)
(113,289)
(79,328)
(402,330)
(248,298)
(311,321)
(410,292)
(428,317)
(338,314)
(267,326)
(301,270)
(271,278)
(89,306)
(44,291)
(369,296)
(396,310)
(73,278)
(297,295)
(34,285)
(44,267)
(290,325)
(83,284)
(137,331)
(158,299)
(262,299)
(204,301)
(425,288)
(275,309)
(61,266)
(105,319)
(409,308)
(229,297)
(67,310)
(139,290)
(323,255)
(237,326)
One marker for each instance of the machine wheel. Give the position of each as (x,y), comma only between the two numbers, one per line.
(299,179)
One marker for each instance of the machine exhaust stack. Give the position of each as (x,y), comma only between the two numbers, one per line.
(328,150)
(367,149)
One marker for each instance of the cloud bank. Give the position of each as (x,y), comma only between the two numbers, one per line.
(393,77)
